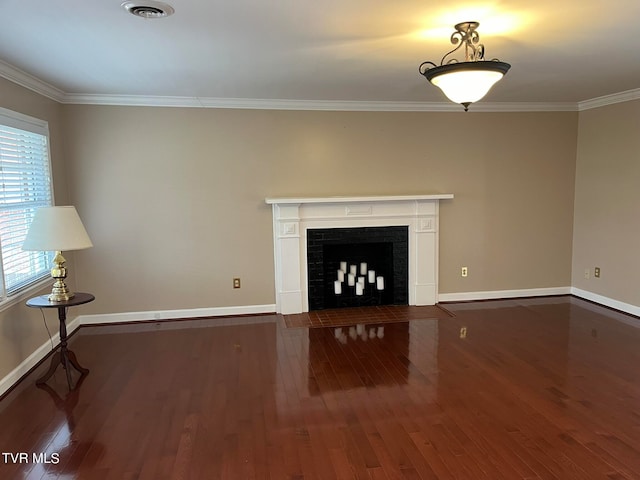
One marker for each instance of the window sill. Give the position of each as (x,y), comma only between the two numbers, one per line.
(25,294)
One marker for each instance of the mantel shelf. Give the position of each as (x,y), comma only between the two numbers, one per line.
(392,198)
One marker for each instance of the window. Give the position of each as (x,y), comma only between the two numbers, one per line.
(25,186)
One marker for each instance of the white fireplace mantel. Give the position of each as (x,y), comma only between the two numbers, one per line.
(292,217)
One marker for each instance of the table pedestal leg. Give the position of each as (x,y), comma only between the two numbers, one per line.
(68,359)
(64,356)
(55,361)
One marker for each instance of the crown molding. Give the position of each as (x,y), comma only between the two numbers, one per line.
(605,100)
(378,106)
(27,80)
(33,83)
(318,105)
(131,100)
(522,107)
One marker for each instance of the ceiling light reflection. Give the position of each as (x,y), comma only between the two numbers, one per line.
(494,22)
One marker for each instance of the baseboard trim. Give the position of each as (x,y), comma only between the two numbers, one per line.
(606,301)
(499,294)
(128,317)
(42,352)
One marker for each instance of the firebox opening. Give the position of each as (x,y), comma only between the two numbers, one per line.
(338,259)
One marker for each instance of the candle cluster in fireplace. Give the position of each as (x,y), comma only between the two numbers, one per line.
(357,277)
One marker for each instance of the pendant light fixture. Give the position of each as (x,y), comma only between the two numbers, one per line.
(467,81)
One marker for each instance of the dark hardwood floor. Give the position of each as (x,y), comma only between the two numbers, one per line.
(544,388)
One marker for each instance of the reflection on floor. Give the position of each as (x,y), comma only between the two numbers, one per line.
(374,352)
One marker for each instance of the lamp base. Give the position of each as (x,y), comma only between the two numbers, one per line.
(61,297)
(60,292)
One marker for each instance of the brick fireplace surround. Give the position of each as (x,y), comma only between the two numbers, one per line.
(292,217)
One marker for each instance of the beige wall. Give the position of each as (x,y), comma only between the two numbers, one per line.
(173,198)
(21,329)
(607,203)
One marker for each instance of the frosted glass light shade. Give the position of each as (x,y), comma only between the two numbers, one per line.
(466,87)
(467,82)
(56,229)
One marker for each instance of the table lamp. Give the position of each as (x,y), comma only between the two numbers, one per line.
(56,229)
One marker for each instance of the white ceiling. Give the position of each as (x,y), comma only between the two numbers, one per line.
(368,51)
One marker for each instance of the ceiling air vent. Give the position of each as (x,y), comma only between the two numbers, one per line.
(148,9)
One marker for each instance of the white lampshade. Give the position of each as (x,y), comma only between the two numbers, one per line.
(56,229)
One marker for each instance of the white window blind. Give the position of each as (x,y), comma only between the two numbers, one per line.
(25,186)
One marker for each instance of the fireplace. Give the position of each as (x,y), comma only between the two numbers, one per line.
(352,267)
(295,219)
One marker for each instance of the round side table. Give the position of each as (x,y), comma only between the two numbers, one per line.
(63,356)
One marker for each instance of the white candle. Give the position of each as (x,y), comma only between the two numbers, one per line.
(340,276)
(343,266)
(351,280)
(380,332)
(372,276)
(361,281)
(337,287)
(363,268)
(338,332)
(359,329)
(380,283)
(352,332)
(359,289)
(353,269)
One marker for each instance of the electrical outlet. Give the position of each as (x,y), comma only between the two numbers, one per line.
(236,283)
(463,332)
(587,273)
(464,271)
(596,272)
